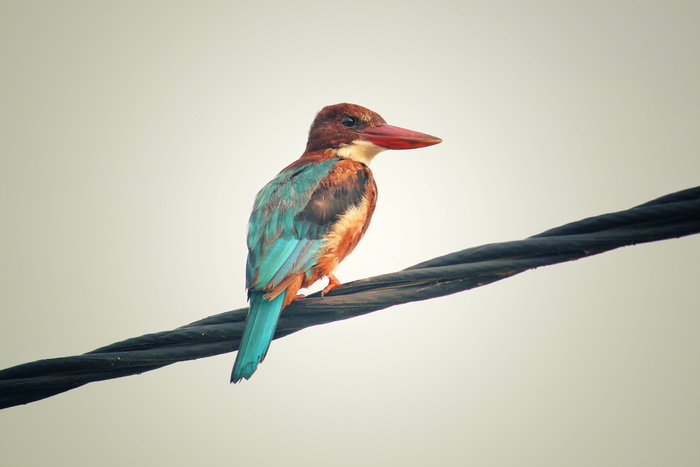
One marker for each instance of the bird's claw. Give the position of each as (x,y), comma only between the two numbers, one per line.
(332,283)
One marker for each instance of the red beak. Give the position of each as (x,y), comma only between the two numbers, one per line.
(393,137)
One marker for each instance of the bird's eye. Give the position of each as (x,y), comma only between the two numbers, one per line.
(348,121)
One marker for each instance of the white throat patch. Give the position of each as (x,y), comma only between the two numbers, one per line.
(360,151)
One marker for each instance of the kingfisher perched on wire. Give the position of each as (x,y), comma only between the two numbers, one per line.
(311,216)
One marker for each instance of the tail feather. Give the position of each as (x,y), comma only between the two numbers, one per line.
(260,328)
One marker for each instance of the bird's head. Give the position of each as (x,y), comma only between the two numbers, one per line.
(357,133)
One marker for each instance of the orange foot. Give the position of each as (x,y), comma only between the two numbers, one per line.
(332,283)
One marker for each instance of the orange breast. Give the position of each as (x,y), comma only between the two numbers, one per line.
(344,237)
(346,233)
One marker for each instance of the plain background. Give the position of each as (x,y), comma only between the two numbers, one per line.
(135,135)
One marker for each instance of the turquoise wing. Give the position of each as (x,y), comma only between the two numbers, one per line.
(280,242)
(290,218)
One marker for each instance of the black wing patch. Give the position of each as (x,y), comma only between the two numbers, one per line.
(328,203)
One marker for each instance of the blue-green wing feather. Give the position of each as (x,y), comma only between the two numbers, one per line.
(280,243)
(291,217)
(277,238)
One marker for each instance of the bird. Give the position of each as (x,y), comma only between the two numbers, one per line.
(308,218)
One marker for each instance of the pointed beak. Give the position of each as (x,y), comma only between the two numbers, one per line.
(393,137)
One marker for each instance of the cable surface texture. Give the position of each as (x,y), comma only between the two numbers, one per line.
(671,216)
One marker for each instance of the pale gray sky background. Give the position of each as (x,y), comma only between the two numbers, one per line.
(135,135)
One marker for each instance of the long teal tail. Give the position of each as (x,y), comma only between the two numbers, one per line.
(260,328)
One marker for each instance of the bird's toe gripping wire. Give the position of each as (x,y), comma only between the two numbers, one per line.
(333,282)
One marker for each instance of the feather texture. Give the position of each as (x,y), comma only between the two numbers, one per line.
(293,218)
(258,333)
(311,216)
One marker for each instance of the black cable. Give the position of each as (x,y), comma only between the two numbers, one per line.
(670,216)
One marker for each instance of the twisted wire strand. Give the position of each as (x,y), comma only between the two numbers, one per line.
(671,216)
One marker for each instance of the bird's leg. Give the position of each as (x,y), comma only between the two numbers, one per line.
(332,283)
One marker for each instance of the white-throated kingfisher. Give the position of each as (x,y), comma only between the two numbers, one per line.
(311,216)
